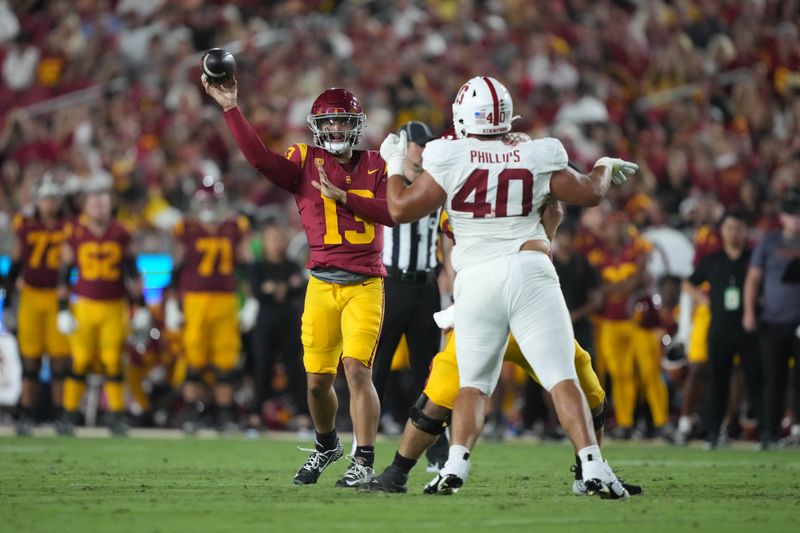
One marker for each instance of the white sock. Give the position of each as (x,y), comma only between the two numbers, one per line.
(590,453)
(457,462)
(685,424)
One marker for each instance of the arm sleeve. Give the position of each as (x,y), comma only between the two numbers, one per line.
(274,167)
(435,161)
(373,209)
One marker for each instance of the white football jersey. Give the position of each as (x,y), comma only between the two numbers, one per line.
(494,192)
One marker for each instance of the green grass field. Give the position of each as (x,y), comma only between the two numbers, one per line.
(99,484)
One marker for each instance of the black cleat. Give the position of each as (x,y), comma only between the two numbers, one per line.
(192,418)
(65,425)
(633,490)
(118,425)
(25,425)
(392,480)
(317,462)
(226,424)
(359,474)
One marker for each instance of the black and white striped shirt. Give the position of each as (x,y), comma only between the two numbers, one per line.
(412,247)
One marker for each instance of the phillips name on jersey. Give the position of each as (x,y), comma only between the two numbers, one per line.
(492,180)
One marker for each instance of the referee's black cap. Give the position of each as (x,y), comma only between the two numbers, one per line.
(417,132)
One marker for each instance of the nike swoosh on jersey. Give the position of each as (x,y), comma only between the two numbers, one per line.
(373,171)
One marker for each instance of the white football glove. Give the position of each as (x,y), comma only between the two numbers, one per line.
(173,317)
(393,151)
(248,314)
(446,317)
(66,324)
(141,320)
(620,169)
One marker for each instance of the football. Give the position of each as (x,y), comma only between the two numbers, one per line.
(218,65)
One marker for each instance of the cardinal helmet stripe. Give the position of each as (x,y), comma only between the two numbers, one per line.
(496,114)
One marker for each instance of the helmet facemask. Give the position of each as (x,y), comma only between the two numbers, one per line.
(337,132)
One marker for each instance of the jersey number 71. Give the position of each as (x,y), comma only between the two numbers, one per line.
(478,182)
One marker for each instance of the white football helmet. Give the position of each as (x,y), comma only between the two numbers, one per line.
(482,107)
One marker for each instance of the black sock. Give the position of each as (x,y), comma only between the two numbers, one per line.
(26,412)
(578,468)
(367,453)
(403,463)
(326,441)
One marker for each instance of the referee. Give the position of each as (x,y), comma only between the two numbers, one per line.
(411,289)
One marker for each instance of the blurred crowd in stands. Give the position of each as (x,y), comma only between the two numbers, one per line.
(703,94)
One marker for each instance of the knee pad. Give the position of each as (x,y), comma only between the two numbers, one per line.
(31,368)
(599,419)
(225,377)
(422,421)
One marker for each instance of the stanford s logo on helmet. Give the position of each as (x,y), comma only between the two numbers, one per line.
(482,107)
(337,120)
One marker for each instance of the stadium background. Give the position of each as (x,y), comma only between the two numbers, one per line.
(703,95)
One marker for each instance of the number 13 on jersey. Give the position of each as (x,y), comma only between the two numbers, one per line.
(332,233)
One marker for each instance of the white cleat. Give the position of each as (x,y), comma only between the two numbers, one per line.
(599,479)
(443,484)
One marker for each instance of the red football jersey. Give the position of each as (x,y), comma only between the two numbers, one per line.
(41,250)
(210,255)
(614,269)
(707,241)
(337,236)
(99,259)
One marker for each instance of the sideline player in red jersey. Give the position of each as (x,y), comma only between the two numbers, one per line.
(210,246)
(341,195)
(35,257)
(97,323)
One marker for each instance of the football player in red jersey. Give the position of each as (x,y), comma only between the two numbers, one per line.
(209,246)
(341,195)
(97,322)
(35,258)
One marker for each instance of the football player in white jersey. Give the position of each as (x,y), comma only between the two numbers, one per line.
(493,194)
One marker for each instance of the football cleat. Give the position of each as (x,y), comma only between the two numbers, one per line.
(317,462)
(66,422)
(357,476)
(25,425)
(392,480)
(601,481)
(118,425)
(579,487)
(443,484)
(192,418)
